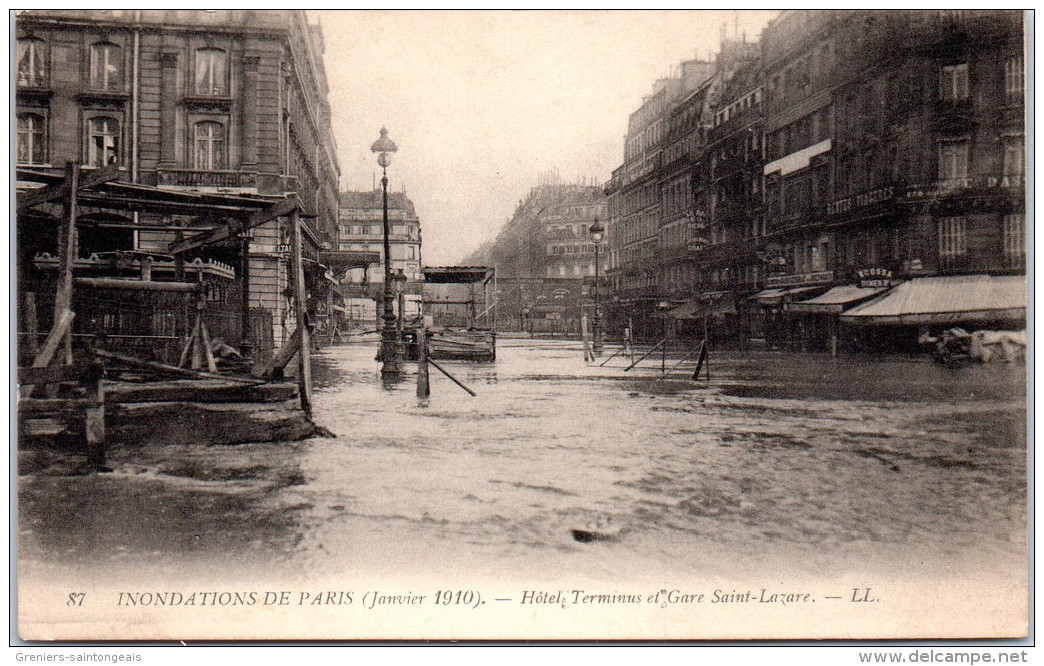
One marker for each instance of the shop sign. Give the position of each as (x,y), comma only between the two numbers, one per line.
(860,200)
(800,279)
(875,277)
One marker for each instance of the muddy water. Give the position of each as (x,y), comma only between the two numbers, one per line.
(785,464)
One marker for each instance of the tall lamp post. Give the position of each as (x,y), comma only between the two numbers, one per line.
(391,353)
(597,232)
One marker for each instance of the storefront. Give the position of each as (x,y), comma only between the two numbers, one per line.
(896,319)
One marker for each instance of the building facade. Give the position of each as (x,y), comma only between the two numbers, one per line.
(544,257)
(361,229)
(847,151)
(636,196)
(226,101)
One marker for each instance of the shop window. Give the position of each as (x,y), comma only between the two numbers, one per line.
(31,136)
(211,72)
(103,142)
(32,63)
(953,82)
(953,242)
(1014,234)
(210,143)
(106,67)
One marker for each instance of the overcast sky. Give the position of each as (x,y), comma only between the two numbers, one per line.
(482,103)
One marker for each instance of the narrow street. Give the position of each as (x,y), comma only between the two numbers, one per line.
(787,465)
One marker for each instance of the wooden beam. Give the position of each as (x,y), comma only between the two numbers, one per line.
(60,191)
(283,355)
(67,244)
(49,374)
(301,301)
(233,228)
(207,351)
(54,338)
(170,369)
(138,285)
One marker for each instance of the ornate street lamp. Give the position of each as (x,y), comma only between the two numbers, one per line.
(597,232)
(391,351)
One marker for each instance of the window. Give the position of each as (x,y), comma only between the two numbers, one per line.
(32,63)
(211,72)
(1014,163)
(209,139)
(1013,80)
(952,241)
(953,163)
(103,142)
(31,139)
(953,83)
(106,67)
(1014,233)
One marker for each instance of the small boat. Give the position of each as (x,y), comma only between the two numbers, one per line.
(469,345)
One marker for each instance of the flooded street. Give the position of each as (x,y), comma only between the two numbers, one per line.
(787,466)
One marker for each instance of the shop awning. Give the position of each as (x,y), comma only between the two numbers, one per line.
(836,300)
(708,304)
(777,295)
(945,300)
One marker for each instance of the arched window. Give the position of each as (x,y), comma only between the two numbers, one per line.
(31,149)
(32,63)
(209,140)
(106,66)
(103,141)
(211,72)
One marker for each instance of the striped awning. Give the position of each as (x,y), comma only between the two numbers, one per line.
(836,300)
(778,295)
(945,300)
(708,304)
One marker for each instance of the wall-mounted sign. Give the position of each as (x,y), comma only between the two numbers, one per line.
(861,200)
(875,277)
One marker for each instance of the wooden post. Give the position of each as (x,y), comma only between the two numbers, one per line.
(301,299)
(629,337)
(197,348)
(245,345)
(32,324)
(833,325)
(67,253)
(423,385)
(588,356)
(94,423)
(704,358)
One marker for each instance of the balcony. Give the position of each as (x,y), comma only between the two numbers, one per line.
(214,180)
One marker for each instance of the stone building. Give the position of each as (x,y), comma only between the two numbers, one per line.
(545,259)
(222,101)
(850,151)
(635,200)
(361,229)
(895,149)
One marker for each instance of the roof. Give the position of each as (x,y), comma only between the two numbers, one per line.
(945,300)
(374,200)
(118,195)
(457,274)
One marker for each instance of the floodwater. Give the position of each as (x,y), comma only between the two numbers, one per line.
(787,465)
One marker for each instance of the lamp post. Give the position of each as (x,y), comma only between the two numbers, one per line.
(597,231)
(391,353)
(400,293)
